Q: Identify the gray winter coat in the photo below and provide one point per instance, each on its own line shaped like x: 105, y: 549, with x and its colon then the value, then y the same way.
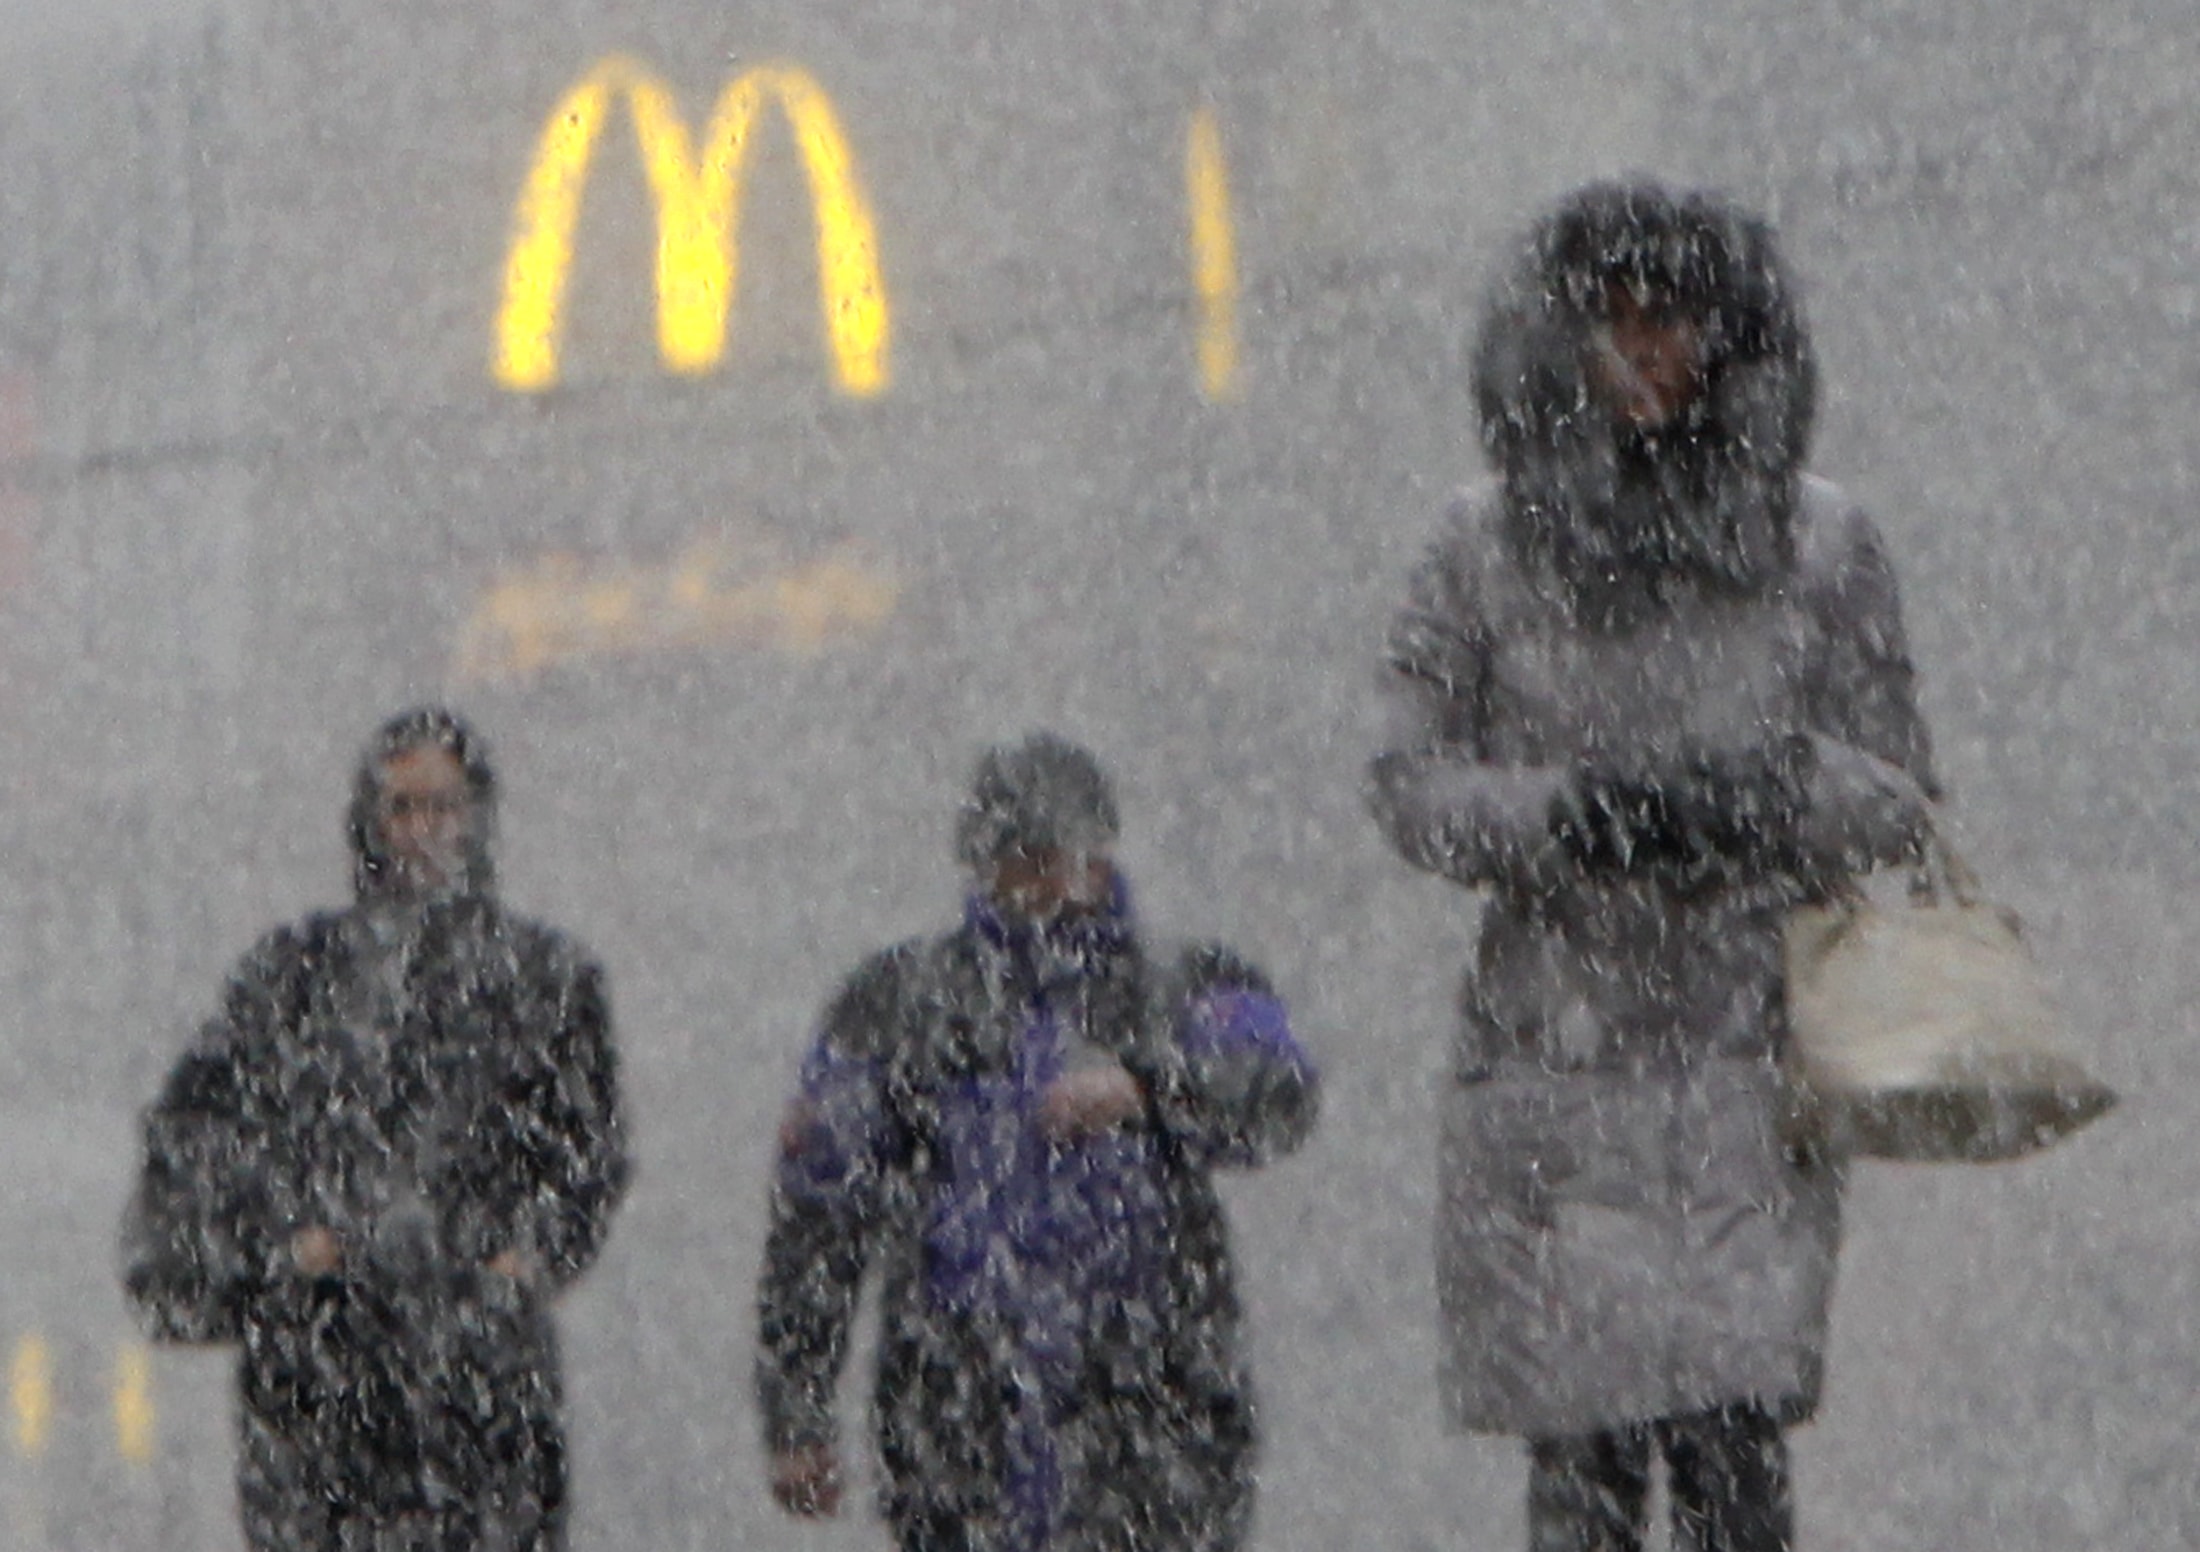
x: 1628, y: 1229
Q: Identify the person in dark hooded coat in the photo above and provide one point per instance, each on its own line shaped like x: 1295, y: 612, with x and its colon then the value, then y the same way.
x: 374, y: 1169
x: 1017, y: 1122
x: 1651, y: 693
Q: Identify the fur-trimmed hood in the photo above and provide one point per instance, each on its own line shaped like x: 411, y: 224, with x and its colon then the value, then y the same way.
x: 1618, y: 512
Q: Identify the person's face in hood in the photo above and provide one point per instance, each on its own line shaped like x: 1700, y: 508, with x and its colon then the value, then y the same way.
x: 424, y: 809
x: 1042, y: 885
x: 1646, y: 359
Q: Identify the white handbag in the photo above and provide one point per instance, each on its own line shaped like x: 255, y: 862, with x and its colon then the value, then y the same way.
x: 1925, y: 1030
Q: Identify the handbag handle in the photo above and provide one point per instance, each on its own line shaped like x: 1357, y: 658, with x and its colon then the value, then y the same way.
x: 1940, y: 875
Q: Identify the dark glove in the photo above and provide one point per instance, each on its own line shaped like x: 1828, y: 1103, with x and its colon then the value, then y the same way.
x: 1701, y: 808
x: 1608, y: 823
x: 1744, y: 804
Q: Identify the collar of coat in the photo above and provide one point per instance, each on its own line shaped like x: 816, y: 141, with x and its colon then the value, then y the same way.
x: 1041, y: 955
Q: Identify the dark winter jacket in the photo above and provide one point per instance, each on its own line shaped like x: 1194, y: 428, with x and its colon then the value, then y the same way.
x: 1059, y: 1365
x: 436, y: 1085
x: 1650, y: 697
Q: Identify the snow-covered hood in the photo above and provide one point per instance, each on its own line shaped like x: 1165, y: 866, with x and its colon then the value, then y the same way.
x: 1613, y: 511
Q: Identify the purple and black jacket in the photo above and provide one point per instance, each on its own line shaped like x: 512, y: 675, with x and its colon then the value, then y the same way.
x: 1059, y: 1350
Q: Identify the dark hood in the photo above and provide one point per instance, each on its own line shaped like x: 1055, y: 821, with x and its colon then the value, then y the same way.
x: 423, y: 726
x: 1615, y: 511
x: 1044, y: 792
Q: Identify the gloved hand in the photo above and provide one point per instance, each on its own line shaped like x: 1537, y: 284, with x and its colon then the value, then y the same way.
x: 1609, y: 823
x: 1744, y: 803
x: 1700, y: 807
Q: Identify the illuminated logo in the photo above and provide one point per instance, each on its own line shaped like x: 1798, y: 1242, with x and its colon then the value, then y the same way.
x: 563, y: 609
x: 1213, y: 256
x: 698, y: 200
x: 33, y: 1389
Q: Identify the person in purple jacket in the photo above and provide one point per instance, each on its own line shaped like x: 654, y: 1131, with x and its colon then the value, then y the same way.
x: 1017, y: 1122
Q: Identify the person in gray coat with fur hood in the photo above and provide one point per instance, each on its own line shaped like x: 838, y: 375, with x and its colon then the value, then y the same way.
x: 1651, y: 693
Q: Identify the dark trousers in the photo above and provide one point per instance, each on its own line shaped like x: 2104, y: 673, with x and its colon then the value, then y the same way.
x: 1726, y: 1475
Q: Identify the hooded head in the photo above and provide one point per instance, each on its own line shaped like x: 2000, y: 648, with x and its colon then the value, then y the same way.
x: 404, y: 780
x: 1039, y: 828
x: 1624, y: 466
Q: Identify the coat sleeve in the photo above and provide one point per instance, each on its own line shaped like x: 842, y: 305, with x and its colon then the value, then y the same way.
x: 1233, y: 1085
x: 1445, y: 805
x: 839, y: 1148
x: 579, y: 1167
x: 1868, y: 798
x: 202, y: 1229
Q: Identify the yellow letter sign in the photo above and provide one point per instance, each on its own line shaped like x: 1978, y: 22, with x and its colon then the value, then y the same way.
x: 698, y: 213
x: 1214, y: 256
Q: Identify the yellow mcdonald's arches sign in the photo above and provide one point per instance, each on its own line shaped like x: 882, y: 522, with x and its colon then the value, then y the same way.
x: 698, y: 200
